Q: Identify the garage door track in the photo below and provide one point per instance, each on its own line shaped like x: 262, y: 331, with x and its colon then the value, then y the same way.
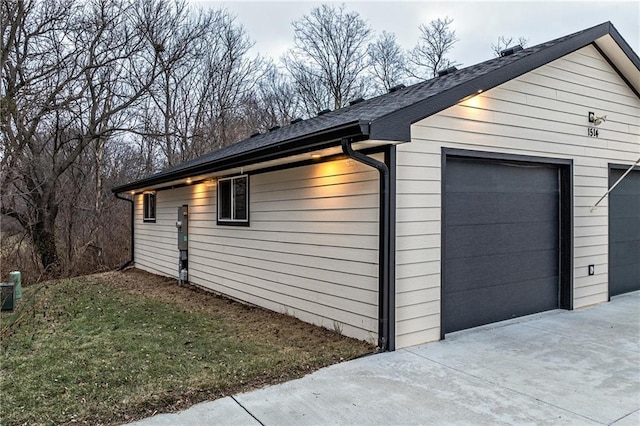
x: 560, y: 367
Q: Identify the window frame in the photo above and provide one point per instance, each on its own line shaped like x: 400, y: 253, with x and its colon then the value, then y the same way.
x: 232, y: 221
x: 146, y: 198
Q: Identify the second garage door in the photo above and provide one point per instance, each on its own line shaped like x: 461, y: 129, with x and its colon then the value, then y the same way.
x: 501, y: 252
x: 624, y: 233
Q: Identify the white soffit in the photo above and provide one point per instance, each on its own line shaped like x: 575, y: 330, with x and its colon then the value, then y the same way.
x: 616, y: 55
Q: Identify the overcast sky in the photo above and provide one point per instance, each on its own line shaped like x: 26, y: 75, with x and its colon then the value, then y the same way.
x: 477, y: 23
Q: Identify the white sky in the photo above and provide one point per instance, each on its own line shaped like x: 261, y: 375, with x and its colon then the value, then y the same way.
x: 477, y: 23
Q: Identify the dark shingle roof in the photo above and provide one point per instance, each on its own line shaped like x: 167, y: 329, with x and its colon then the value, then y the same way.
x: 388, y: 116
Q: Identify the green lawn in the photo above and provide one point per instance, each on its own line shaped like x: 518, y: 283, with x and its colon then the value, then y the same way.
x: 115, y: 347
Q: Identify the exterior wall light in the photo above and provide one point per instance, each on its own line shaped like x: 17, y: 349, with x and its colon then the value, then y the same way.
x: 596, y: 120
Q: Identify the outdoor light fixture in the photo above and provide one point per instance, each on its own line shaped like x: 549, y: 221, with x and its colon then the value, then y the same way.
x: 315, y: 156
x: 188, y: 181
x: 596, y: 120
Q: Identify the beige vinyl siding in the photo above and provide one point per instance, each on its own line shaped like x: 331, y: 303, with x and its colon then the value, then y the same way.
x: 311, y: 249
x: 156, y: 244
x: 542, y: 113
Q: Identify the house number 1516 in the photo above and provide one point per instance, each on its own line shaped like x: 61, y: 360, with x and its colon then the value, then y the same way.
x: 592, y: 132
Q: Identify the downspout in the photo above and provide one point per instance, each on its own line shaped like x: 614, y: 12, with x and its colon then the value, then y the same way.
x: 130, y: 261
x: 386, y: 292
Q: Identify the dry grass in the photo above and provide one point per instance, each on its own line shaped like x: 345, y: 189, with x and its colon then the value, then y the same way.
x: 115, y: 347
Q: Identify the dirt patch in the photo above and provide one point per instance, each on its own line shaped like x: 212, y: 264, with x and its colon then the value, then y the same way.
x: 253, y: 322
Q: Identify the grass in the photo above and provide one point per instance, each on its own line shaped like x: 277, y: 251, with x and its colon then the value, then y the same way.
x: 115, y: 347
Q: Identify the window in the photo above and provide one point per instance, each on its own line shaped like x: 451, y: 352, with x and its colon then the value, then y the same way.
x: 149, y: 206
x: 233, y: 201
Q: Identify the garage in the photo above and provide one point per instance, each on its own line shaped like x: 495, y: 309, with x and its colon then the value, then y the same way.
x: 501, y: 240
x: 433, y: 208
x: 624, y: 232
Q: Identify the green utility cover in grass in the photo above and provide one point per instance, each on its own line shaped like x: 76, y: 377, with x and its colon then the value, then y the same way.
x: 16, y: 278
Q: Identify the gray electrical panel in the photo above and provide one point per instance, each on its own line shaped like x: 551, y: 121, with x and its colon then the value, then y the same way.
x: 182, y: 224
x: 183, y: 228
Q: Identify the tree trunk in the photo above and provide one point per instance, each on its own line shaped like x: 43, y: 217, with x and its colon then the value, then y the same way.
x: 43, y: 231
x: 100, y: 150
x: 44, y: 241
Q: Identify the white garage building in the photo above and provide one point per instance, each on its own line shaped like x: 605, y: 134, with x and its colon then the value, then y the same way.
x: 459, y: 201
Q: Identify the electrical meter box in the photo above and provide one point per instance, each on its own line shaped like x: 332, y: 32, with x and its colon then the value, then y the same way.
x: 183, y: 227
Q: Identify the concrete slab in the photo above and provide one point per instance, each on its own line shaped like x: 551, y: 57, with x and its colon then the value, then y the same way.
x: 550, y: 367
x: 632, y: 419
x: 615, y: 323
x: 399, y: 388
x: 562, y: 367
x: 221, y: 412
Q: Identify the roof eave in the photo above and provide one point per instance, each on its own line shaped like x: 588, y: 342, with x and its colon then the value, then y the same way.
x: 621, y: 56
x: 397, y: 125
x: 626, y: 48
x: 357, y: 130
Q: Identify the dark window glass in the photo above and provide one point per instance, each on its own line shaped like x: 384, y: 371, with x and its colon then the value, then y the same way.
x: 233, y: 199
x: 149, y: 206
x: 152, y: 205
x: 240, y: 198
x: 224, y: 199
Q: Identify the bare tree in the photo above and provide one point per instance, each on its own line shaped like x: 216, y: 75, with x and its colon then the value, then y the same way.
x: 198, y: 105
x: 329, y: 57
x: 430, y: 54
x: 273, y: 103
x: 179, y: 35
x: 507, y: 42
x: 71, y: 75
x: 229, y: 76
x: 387, y: 62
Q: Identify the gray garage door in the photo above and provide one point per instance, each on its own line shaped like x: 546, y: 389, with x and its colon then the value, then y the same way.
x: 624, y: 233
x: 501, y: 241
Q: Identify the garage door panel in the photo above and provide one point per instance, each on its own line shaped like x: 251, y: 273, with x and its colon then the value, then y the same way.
x: 469, y: 309
x: 479, y: 240
x: 501, y: 241
x: 487, y: 271
x: 625, y: 278
x: 625, y: 252
x: 628, y: 187
x: 488, y: 177
x: 624, y: 233
x: 491, y: 207
x: 627, y: 207
x: 629, y: 230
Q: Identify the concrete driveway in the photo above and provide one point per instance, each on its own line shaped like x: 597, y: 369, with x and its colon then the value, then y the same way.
x: 560, y: 367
